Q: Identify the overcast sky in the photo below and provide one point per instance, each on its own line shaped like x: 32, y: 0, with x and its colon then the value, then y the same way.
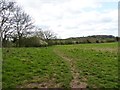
x: 74, y: 18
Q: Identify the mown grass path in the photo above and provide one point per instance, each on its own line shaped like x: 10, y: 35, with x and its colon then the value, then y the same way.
x: 75, y: 83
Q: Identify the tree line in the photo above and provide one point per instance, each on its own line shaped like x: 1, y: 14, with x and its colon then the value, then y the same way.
x: 17, y: 27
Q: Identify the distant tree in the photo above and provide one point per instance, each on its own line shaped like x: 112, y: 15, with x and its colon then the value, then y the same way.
x: 117, y: 38
x: 49, y: 35
x: 39, y: 33
x: 88, y: 41
x: 97, y: 41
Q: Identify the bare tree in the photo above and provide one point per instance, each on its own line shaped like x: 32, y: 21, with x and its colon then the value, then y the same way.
x: 14, y: 22
x: 22, y: 23
x: 6, y: 15
x: 49, y: 35
x: 39, y: 33
x: 44, y: 35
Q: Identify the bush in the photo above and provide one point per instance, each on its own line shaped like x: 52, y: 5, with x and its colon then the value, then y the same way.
x: 33, y: 42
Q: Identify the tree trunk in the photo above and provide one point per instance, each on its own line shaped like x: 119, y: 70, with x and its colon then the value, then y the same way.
x: 20, y: 41
x: 0, y: 38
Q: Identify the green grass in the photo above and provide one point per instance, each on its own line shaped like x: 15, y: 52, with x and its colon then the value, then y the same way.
x: 23, y: 64
x: 97, y: 64
x: 0, y: 68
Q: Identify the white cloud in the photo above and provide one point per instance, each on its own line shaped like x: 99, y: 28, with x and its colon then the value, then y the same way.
x: 68, y: 18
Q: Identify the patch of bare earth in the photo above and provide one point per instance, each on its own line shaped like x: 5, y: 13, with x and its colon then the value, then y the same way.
x: 105, y: 49
x: 48, y: 83
x: 75, y: 83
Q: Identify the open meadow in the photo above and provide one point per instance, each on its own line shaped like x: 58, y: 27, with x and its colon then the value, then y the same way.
x: 79, y: 65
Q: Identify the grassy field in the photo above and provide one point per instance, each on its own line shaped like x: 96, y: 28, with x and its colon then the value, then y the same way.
x: 81, y: 66
x: 0, y: 68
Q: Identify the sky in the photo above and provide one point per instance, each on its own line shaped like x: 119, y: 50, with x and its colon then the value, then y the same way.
x: 74, y: 18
